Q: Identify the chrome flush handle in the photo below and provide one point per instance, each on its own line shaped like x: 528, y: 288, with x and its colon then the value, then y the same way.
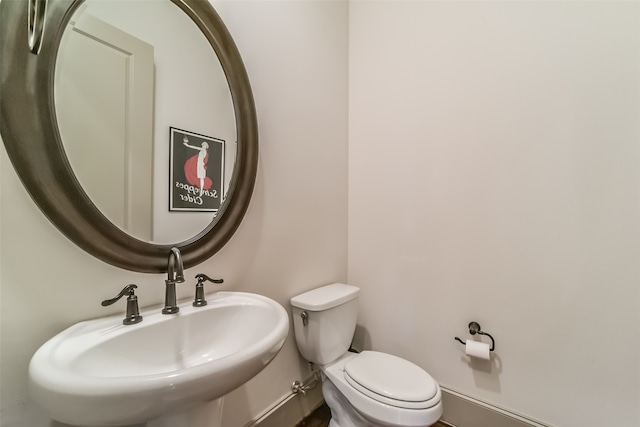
x: 305, y: 318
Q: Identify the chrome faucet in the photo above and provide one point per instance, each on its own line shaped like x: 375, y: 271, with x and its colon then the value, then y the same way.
x: 175, y: 274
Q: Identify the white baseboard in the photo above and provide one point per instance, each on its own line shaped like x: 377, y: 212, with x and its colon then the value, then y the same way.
x: 290, y: 410
x: 464, y: 411
x: 459, y: 411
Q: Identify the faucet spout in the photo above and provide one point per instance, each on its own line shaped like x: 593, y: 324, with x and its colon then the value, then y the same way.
x: 175, y: 274
x: 175, y: 268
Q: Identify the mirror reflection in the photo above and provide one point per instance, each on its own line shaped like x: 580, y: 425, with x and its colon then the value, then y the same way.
x: 146, y: 117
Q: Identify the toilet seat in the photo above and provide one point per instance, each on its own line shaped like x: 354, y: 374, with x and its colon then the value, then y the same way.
x: 374, y: 409
x: 391, y: 380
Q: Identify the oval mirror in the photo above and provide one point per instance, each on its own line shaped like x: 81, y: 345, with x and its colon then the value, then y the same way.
x: 133, y: 128
x: 134, y: 104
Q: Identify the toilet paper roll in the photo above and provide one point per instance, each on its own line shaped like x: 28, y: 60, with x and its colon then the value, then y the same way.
x: 478, y: 349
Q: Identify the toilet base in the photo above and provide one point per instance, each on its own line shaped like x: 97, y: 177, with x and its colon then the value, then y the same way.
x: 342, y: 413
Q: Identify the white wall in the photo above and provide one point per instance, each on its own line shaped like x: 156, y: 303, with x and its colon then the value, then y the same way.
x: 293, y: 237
x: 494, y: 175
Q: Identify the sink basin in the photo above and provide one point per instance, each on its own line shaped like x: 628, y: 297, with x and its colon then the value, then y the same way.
x: 102, y: 373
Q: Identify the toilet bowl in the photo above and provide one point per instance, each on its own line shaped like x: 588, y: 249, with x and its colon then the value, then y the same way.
x: 386, y: 391
x: 361, y: 389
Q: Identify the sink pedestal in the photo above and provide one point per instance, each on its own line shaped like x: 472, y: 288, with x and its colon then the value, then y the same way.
x: 208, y: 414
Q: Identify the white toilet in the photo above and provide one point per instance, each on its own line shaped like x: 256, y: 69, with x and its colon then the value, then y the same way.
x: 361, y: 389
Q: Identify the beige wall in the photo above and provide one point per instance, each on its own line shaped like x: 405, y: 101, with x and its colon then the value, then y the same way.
x: 494, y: 175
x: 293, y: 237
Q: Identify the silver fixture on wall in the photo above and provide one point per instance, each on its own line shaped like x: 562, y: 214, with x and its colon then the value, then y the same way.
x: 302, y: 387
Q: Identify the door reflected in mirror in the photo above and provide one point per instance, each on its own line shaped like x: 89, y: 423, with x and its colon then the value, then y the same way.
x: 126, y: 73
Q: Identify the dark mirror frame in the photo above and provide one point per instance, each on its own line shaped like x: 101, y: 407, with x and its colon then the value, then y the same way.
x: 32, y: 139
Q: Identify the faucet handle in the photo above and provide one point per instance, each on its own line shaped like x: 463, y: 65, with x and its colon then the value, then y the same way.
x: 133, y: 314
x: 200, y: 301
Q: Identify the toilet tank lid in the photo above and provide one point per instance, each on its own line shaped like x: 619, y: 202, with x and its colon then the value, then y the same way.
x: 325, y: 297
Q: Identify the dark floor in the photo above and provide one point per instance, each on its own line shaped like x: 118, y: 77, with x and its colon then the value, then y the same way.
x: 321, y: 416
x: 318, y: 418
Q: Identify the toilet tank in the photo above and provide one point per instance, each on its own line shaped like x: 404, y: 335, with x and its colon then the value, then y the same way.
x: 331, y: 312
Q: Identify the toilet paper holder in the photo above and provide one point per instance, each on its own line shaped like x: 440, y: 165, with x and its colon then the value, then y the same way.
x: 474, y: 328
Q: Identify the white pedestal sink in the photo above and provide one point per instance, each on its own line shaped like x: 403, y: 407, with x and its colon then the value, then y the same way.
x: 102, y: 373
